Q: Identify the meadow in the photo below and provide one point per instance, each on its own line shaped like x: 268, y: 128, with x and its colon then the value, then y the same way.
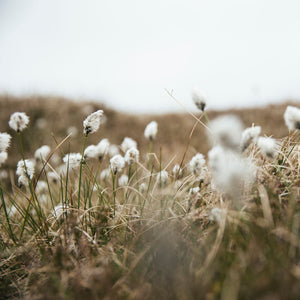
x: 99, y: 204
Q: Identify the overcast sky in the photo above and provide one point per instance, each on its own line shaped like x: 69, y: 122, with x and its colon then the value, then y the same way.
x: 126, y: 52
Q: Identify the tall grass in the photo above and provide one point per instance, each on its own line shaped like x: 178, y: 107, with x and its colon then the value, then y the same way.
x: 87, y: 237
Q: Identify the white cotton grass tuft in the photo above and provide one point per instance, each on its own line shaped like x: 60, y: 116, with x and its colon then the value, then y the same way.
x: 226, y: 131
x: 92, y: 123
x: 72, y: 160
x: 90, y: 152
x: 199, y: 99
x: 42, y: 153
x: 4, y: 141
x: 103, y: 148
x: 117, y: 163
x: 162, y: 177
x: 18, y: 121
x: 292, y: 117
x: 231, y: 172
x: 3, y: 157
x: 151, y: 131
x: 123, y: 180
x: 267, y: 146
x: 216, y: 215
x: 105, y: 174
x: 113, y: 150
x: 128, y: 143
x: 25, y: 170
x: 249, y: 135
x: 197, y: 164
x: 132, y: 156
x: 177, y: 172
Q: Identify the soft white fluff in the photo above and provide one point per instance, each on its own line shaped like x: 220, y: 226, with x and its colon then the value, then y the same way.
x: 128, y: 143
x: 199, y: 99
x: 226, y: 131
x: 92, y: 122
x: 4, y: 141
x: 249, y: 135
x: 18, y: 121
x: 151, y: 131
x: 117, y: 163
x: 292, y: 117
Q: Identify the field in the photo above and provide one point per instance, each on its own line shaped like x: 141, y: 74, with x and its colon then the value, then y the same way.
x: 225, y: 225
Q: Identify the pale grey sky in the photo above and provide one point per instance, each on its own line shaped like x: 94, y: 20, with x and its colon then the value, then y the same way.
x: 126, y: 52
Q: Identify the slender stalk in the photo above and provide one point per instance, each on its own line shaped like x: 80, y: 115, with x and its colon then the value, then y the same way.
x: 80, y: 172
x: 6, y: 215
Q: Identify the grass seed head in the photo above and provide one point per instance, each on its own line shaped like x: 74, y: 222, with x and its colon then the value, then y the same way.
x: 226, y: 131
x: 4, y: 141
x: 128, y: 143
x: 92, y: 123
x: 199, y: 99
x: 18, y: 121
x: 292, y: 117
x: 117, y: 163
x: 132, y: 156
x: 151, y: 131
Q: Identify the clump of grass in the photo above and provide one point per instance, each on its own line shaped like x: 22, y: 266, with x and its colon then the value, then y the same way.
x: 99, y: 227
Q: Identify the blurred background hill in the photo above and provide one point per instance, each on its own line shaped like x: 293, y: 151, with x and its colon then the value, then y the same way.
x: 52, y: 117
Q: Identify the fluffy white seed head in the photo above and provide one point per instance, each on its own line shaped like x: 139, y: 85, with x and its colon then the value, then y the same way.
x: 4, y: 141
x: 123, y: 180
x: 216, y: 214
x: 18, y: 121
x: 73, y: 160
x: 249, y: 135
x: 292, y: 117
x: 42, y: 153
x: 199, y: 99
x: 92, y: 122
x: 104, y: 174
x: 132, y: 156
x: 267, y: 146
x: 151, y: 131
x: 226, y: 131
x: 113, y: 150
x: 127, y: 144
x: 117, y: 163
x: 177, y: 172
x: 103, y: 148
x: 3, y: 157
x: 162, y: 177
x: 25, y: 167
x: 231, y: 172
x: 22, y: 180
x: 196, y: 164
x: 91, y: 152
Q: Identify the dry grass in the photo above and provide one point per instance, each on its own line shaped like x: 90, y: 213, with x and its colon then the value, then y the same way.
x: 162, y: 242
